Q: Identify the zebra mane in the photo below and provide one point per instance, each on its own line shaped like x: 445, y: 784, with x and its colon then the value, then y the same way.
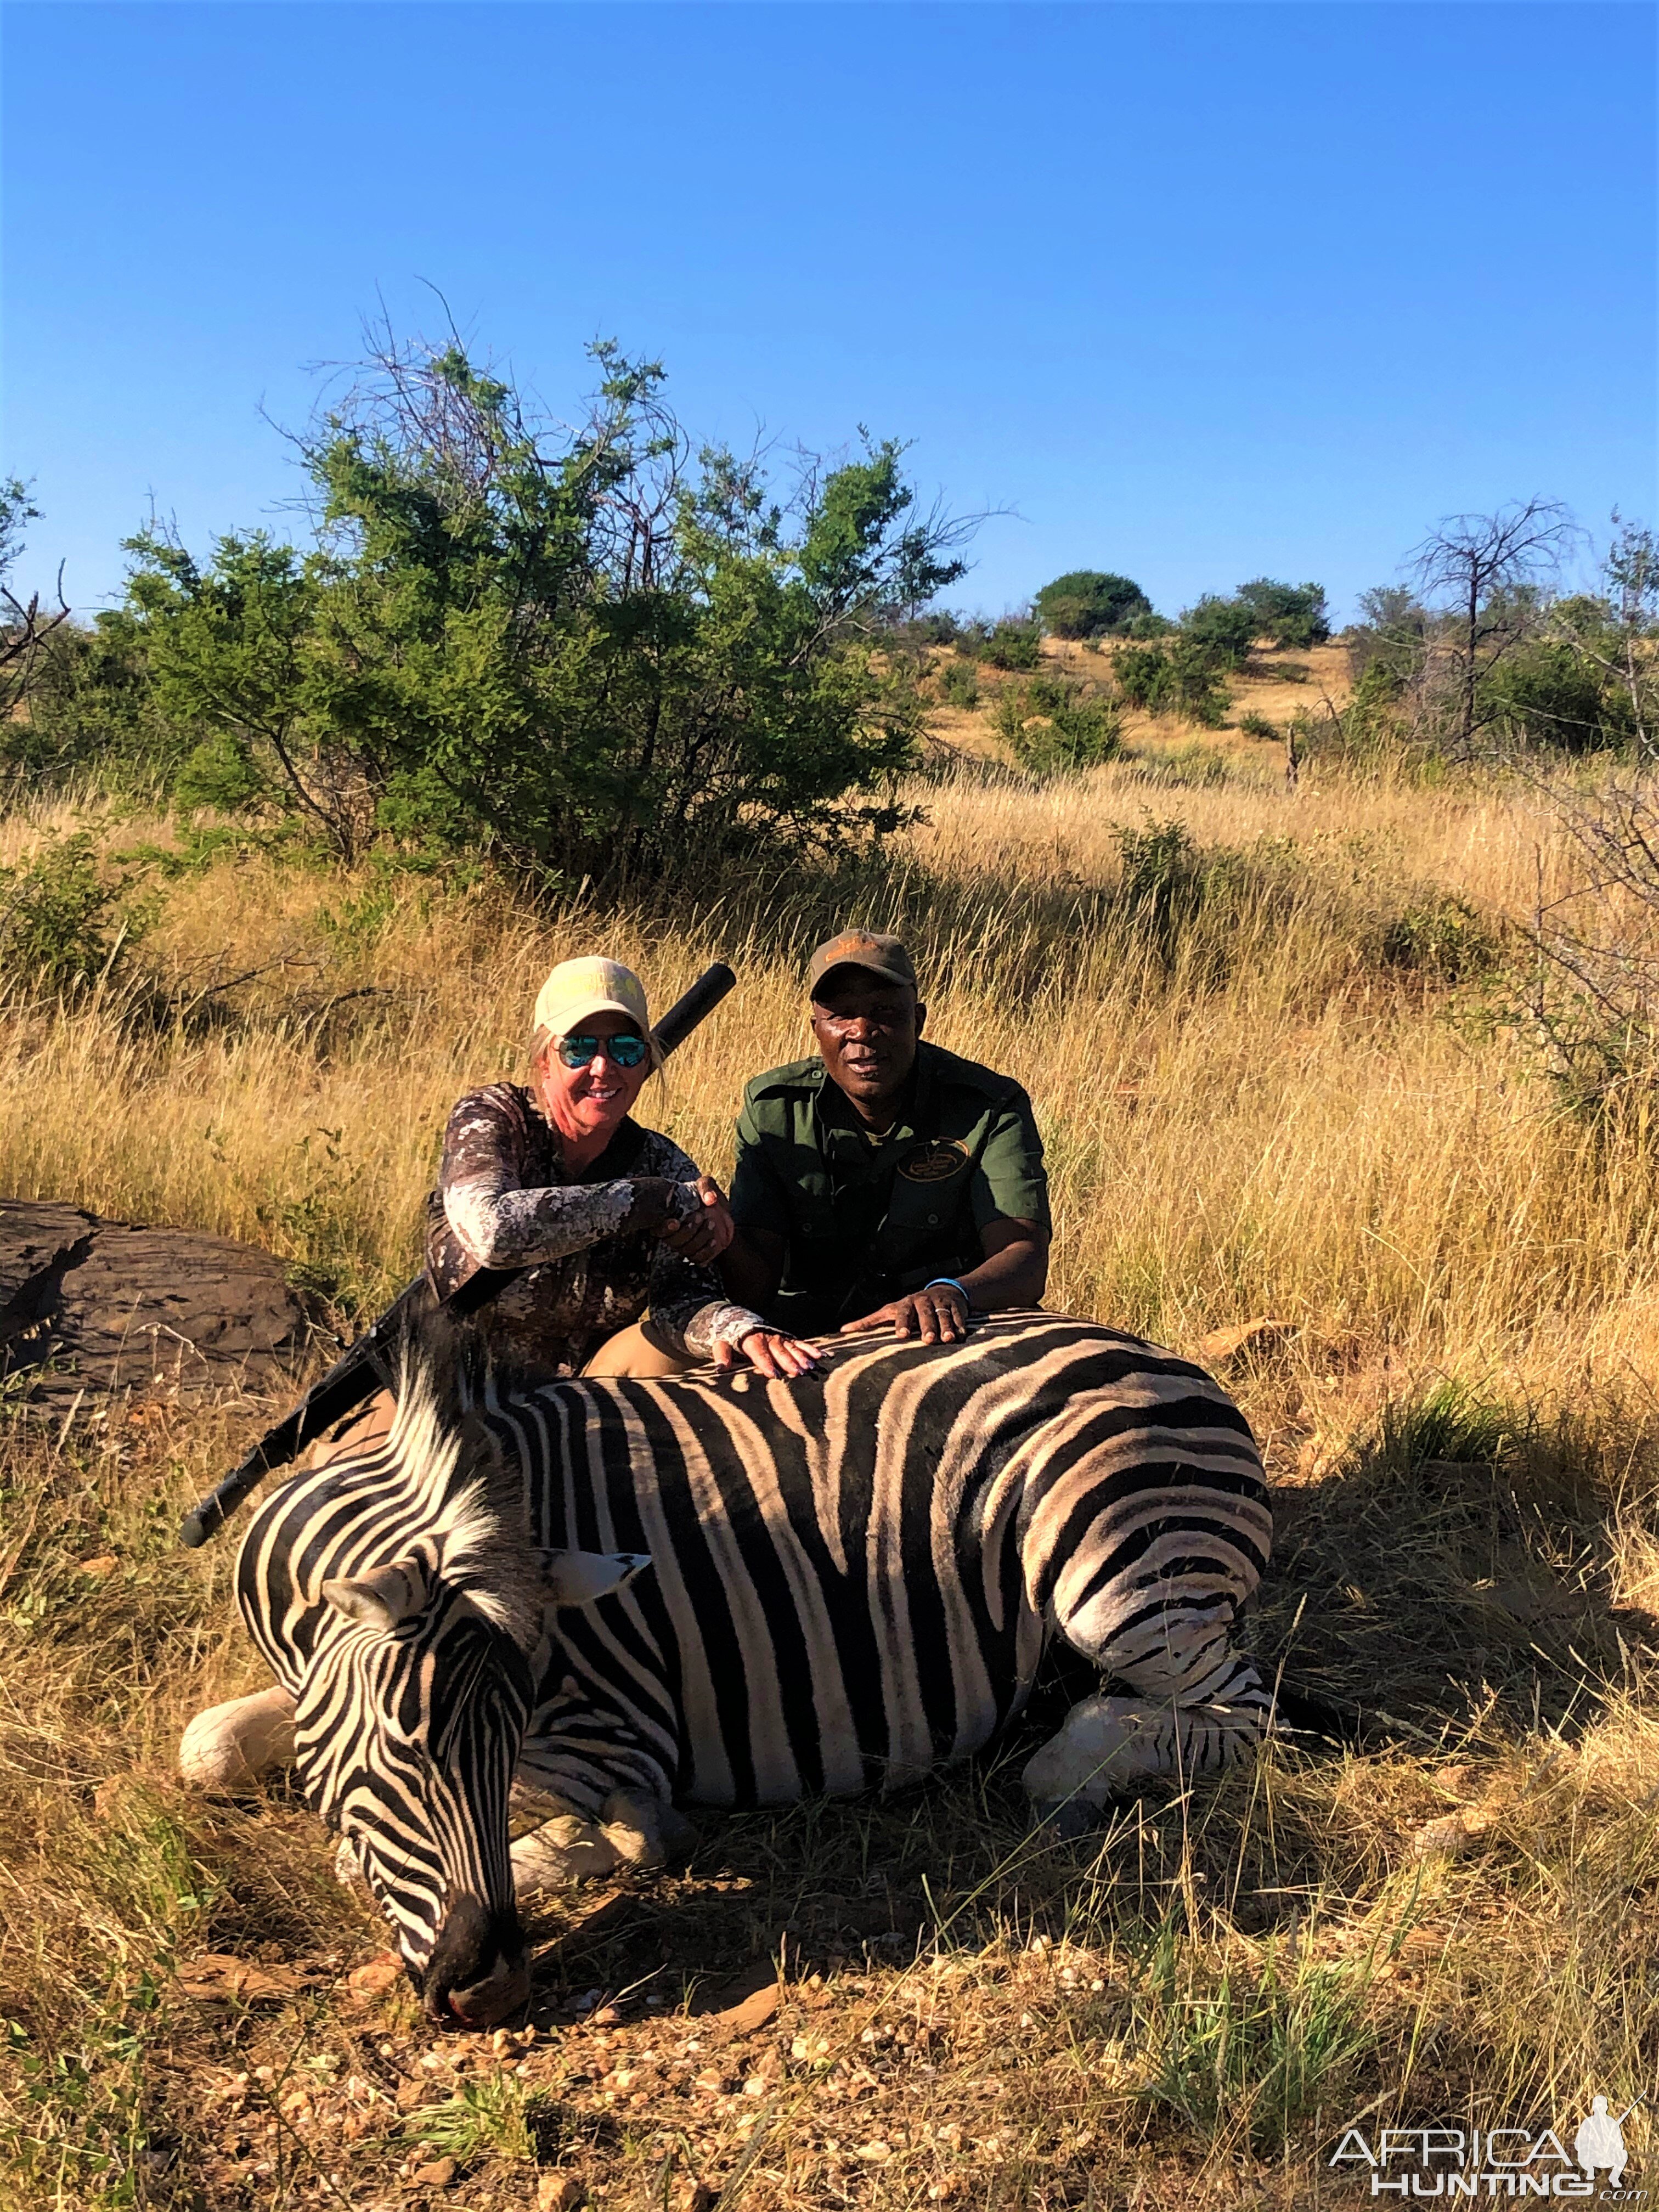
x: 470, y: 1513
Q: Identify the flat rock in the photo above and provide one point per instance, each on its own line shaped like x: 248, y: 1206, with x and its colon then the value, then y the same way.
x: 89, y: 1306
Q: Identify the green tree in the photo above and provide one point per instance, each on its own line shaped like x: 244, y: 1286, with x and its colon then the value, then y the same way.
x: 1090, y: 603
x: 604, y: 655
x: 1220, y: 631
x: 1612, y: 639
x: 1388, y: 647
x: 1292, y: 614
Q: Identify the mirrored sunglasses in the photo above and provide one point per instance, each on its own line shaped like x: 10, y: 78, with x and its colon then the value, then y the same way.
x: 624, y: 1051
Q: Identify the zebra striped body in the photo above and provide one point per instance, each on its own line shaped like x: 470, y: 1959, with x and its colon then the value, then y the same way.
x: 851, y: 1580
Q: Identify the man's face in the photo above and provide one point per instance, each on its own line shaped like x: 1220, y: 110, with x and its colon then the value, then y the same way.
x: 866, y: 1030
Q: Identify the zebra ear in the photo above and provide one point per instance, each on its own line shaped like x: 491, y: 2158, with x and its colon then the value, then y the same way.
x: 579, y: 1578
x: 384, y: 1598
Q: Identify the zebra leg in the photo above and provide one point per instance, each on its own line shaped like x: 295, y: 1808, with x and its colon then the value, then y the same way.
x: 230, y: 1744
x: 566, y: 1845
x: 1198, y: 1705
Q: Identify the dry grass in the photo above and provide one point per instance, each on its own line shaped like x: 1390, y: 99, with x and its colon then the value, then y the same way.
x: 1257, y: 1102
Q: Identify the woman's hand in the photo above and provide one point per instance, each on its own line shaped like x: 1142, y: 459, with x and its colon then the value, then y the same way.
x: 772, y: 1351
x: 706, y: 1235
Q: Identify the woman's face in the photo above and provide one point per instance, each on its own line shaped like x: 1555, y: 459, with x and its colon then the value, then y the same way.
x: 585, y: 1102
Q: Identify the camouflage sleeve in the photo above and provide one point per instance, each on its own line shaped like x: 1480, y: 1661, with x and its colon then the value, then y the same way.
x: 501, y: 1223
x: 689, y: 1309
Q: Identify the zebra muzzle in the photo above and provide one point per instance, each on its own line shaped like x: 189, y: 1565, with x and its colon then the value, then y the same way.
x: 479, y: 1970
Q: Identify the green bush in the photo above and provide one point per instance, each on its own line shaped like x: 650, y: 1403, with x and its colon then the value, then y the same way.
x: 1221, y: 630
x: 1052, y: 725
x: 1388, y: 648
x: 65, y: 920
x: 1014, y: 646
x: 1286, y: 614
x: 1443, y: 936
x: 959, y: 685
x: 1090, y: 602
x: 1252, y: 724
x: 1174, y: 679
x: 91, y: 706
x: 1552, y: 693
x: 936, y: 627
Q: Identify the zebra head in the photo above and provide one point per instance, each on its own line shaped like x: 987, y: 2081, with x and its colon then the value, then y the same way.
x: 411, y: 1708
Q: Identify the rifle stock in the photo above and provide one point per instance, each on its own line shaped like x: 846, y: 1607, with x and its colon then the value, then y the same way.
x: 358, y: 1373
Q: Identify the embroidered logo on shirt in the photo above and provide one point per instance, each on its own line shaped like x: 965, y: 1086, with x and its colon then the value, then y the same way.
x: 936, y: 1162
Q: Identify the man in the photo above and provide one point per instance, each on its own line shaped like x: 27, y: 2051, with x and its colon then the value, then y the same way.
x: 885, y: 1183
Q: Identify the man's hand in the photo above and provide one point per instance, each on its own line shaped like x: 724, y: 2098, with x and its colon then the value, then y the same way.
x: 938, y: 1315
x: 772, y: 1351
x: 702, y: 1239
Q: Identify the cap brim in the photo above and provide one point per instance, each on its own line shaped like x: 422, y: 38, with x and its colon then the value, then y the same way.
x: 865, y: 968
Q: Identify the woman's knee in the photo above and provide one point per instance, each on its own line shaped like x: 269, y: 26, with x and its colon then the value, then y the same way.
x: 635, y: 1352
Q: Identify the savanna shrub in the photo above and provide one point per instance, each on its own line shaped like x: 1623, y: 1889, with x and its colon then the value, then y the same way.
x: 959, y: 685
x: 1090, y: 603
x: 62, y: 921
x: 1221, y: 630
x: 604, y: 654
x: 1552, y: 694
x: 1173, y: 678
x: 1286, y: 614
x: 1014, y: 646
x: 1052, y: 725
x: 1443, y: 936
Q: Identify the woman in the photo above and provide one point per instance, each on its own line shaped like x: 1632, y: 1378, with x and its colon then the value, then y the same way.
x: 611, y: 1226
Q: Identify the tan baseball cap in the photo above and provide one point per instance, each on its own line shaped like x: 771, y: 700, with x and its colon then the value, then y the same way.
x: 861, y: 948
x: 578, y: 989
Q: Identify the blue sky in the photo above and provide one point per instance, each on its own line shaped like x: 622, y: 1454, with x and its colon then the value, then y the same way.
x: 1201, y: 292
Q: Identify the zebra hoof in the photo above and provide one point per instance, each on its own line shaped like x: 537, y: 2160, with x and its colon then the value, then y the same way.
x: 1071, y: 1817
x: 564, y: 1850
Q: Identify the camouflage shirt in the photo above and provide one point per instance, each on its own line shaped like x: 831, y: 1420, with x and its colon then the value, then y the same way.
x: 593, y: 1263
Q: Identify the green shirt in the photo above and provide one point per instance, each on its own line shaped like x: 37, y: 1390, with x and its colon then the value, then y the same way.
x: 864, y: 1219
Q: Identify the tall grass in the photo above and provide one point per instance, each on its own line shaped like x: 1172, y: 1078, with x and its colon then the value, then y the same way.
x: 1266, y: 1096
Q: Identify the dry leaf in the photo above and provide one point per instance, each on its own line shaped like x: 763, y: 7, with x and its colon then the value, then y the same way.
x: 438, y: 2175
x: 1258, y: 1335
x: 751, y: 2012
x: 104, y: 1564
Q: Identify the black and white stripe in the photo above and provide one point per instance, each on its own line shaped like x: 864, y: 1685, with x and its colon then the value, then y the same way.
x: 852, y: 1577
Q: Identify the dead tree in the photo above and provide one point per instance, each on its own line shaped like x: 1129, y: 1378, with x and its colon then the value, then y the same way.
x: 1484, y: 570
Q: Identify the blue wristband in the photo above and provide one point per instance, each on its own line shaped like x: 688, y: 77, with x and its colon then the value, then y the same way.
x: 950, y: 1283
